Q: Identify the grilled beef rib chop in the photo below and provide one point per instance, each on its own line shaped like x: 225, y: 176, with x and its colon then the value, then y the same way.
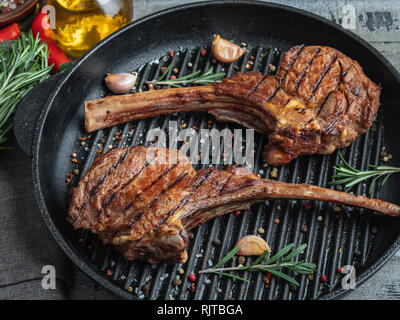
x: 144, y: 200
x: 320, y: 100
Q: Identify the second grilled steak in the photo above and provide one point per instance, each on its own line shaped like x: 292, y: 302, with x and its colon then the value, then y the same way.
x: 320, y: 100
x: 144, y: 200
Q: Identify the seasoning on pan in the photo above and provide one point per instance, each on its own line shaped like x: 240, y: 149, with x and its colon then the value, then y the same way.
x: 177, y: 282
x: 249, y: 65
x: 241, y: 260
x: 274, y: 173
x: 304, y: 228
x: 267, y: 279
x: 337, y: 209
x: 216, y: 242
x: 192, y: 277
x: 109, y: 272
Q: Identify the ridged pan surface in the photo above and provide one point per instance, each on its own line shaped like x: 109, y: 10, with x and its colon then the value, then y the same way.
x: 348, y: 237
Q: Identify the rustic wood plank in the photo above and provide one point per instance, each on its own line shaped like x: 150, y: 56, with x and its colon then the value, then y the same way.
x: 374, y: 20
x: 384, y: 285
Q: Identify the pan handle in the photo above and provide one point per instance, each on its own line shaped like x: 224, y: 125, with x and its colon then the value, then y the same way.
x: 29, y: 110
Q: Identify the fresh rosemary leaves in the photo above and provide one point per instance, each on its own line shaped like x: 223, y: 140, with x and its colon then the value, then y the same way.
x: 22, y: 66
x: 350, y: 176
x: 271, y: 265
x: 207, y: 77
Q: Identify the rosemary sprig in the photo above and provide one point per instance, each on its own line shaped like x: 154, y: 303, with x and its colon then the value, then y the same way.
x: 22, y: 66
x: 271, y: 265
x: 350, y: 176
x: 207, y: 77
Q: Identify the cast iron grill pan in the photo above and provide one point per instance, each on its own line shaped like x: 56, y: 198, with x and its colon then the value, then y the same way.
x: 338, y: 239
x: 344, y: 232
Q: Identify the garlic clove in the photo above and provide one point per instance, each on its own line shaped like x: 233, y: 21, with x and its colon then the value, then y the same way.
x: 120, y: 82
x: 252, y: 246
x: 226, y: 51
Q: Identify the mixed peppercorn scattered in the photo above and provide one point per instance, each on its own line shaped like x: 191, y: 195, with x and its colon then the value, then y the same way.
x: 216, y: 242
x: 8, y: 5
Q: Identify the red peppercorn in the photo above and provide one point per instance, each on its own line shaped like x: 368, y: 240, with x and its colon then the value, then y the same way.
x: 192, y: 288
x: 192, y: 277
x: 340, y: 270
x: 173, y: 77
x: 203, y: 52
x: 171, y: 54
x: 237, y: 213
x: 324, y: 278
x: 109, y: 272
x: 307, y: 206
x: 267, y: 278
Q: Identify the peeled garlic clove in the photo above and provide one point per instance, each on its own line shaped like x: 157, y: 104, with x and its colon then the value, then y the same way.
x: 226, y: 51
x: 252, y: 246
x: 120, y: 82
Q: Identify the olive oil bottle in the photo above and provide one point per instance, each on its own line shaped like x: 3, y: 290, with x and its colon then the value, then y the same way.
x: 81, y: 24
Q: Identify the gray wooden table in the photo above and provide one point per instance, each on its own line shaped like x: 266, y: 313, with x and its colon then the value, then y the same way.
x: 378, y: 22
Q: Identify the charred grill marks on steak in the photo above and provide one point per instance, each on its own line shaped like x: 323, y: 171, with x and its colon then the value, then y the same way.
x: 222, y: 187
x: 318, y: 101
x: 179, y: 205
x: 139, y: 215
x: 103, y: 178
x: 316, y: 85
x: 254, y: 89
x: 298, y: 52
x: 303, y: 73
x: 166, y: 200
x: 130, y: 180
x: 195, y: 186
